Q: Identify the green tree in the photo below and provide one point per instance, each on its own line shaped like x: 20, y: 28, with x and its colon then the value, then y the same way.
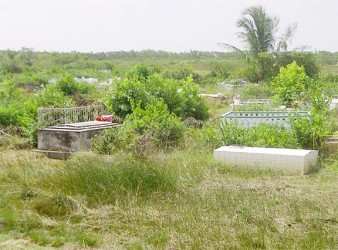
x: 291, y: 84
x: 259, y: 34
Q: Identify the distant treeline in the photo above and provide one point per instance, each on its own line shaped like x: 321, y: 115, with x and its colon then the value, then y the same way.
x: 323, y: 57
x: 159, y: 54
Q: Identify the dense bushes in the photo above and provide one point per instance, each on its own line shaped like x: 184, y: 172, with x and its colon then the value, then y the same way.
x: 10, y: 105
x: 180, y: 96
x: 291, y: 86
x: 21, y: 111
x: 306, y: 60
x: 144, y: 129
x: 154, y: 108
x: 68, y: 86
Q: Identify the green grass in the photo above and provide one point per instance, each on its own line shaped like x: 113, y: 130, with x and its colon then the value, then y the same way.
x: 183, y: 199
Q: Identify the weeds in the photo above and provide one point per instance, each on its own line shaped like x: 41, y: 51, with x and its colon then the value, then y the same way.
x: 179, y: 199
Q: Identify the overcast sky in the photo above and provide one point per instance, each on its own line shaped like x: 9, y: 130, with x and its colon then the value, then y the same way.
x: 171, y: 25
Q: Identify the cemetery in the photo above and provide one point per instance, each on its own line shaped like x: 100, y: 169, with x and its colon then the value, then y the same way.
x: 165, y: 150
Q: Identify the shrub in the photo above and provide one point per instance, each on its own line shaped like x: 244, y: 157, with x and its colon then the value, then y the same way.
x: 291, y: 84
x: 142, y: 72
x: 127, y: 91
x: 153, y: 126
x: 313, y: 131
x: 9, y: 114
x: 180, y: 96
x: 51, y: 96
x: 306, y: 60
x: 11, y: 107
x: 68, y: 86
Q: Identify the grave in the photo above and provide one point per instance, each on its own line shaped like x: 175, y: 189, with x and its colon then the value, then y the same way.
x: 253, y: 118
x: 66, y: 130
x: 287, y: 161
x: 61, y: 140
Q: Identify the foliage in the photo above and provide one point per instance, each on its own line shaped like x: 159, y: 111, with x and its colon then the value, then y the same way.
x: 312, y: 132
x: 259, y: 33
x: 255, y: 91
x: 262, y: 135
x: 10, y: 105
x: 144, y: 129
x: 180, y: 96
x: 10, y: 93
x: 20, y: 111
x: 9, y: 114
x: 291, y: 84
x: 183, y: 73
x: 16, y: 61
x: 125, y: 92
x: 304, y: 59
x: 68, y: 86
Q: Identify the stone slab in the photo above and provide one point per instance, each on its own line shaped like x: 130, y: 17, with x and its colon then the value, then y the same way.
x: 287, y: 161
x: 70, y: 137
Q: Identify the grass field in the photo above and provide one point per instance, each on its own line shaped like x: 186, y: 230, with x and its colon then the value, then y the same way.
x: 178, y: 200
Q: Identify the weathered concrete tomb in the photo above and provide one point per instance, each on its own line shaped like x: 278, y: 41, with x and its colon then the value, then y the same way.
x: 60, y: 140
x: 287, y: 161
x: 66, y: 130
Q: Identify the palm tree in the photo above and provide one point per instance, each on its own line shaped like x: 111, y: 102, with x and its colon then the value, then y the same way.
x: 259, y: 33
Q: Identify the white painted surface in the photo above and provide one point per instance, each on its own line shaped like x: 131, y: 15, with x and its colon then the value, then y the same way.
x: 288, y: 161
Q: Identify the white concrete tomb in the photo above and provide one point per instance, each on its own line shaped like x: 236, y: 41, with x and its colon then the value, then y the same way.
x: 288, y: 161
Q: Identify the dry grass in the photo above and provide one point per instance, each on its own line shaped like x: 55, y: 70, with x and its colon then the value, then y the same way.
x: 212, y: 206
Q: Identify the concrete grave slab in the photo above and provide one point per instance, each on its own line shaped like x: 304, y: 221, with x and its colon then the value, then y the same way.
x: 287, y: 161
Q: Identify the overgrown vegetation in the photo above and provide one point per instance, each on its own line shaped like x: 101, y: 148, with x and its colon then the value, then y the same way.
x: 163, y: 201
x: 180, y: 96
x: 152, y: 183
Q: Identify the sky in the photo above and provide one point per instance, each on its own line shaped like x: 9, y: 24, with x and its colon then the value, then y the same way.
x: 170, y: 25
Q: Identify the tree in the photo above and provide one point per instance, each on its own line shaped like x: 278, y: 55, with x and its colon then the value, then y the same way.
x: 291, y: 84
x: 259, y: 34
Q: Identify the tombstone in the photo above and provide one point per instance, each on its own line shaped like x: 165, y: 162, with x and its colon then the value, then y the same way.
x: 287, y: 161
x: 61, y: 140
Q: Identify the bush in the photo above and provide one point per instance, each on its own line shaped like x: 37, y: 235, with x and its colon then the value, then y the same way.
x: 68, y: 86
x: 51, y: 96
x: 312, y: 132
x: 306, y: 60
x: 9, y: 114
x: 11, y: 107
x: 180, y: 96
x: 291, y: 84
x: 127, y: 91
x: 142, y: 72
x: 145, y: 128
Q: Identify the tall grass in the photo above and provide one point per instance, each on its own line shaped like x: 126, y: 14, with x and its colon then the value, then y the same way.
x: 177, y: 200
x: 104, y: 180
